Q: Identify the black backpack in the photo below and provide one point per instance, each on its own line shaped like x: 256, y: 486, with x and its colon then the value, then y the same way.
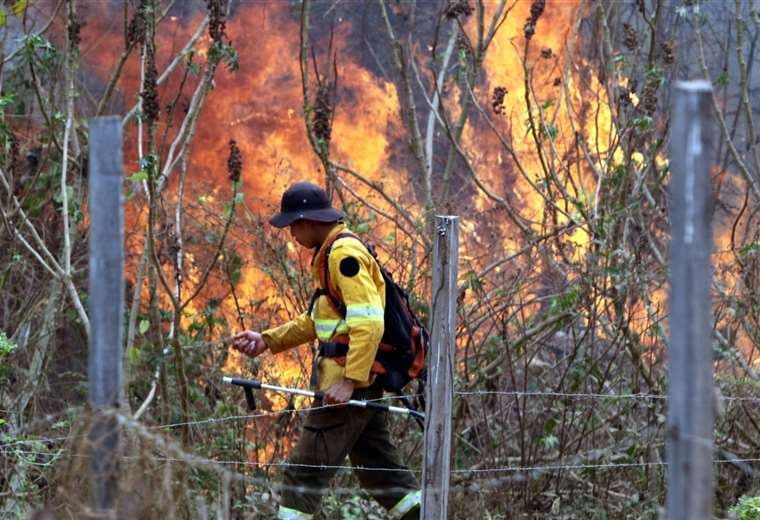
x: 403, y: 348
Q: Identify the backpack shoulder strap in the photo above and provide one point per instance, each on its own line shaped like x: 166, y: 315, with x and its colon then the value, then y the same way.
x: 325, y: 287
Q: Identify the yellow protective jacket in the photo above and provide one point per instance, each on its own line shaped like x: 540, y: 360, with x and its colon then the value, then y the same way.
x: 356, y: 276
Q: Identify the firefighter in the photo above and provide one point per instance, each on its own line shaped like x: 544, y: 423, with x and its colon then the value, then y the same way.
x: 331, y: 433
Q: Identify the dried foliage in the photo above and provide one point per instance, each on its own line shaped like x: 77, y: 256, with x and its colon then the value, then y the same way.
x: 553, y: 154
x: 234, y: 162
x: 151, y: 106
x: 497, y: 100
x: 536, y: 10
x: 217, y: 23
x: 458, y: 8
x: 136, y: 29
x: 322, y: 113
x: 631, y: 39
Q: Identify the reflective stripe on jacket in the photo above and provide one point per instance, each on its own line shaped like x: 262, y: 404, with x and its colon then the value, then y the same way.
x: 362, y: 291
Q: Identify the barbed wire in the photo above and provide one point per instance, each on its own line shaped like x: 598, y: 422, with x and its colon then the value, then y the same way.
x: 575, y: 395
x: 285, y: 464
x: 212, y: 420
x: 276, y: 413
x: 610, y: 465
x: 264, y: 481
x: 177, y: 454
x: 578, y: 395
x: 49, y: 417
x: 181, y: 455
x: 190, y: 458
x: 38, y: 440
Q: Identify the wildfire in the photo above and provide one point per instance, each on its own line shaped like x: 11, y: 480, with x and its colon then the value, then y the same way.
x: 542, y: 98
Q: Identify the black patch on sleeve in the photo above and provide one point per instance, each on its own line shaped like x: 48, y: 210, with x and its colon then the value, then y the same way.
x: 349, y: 266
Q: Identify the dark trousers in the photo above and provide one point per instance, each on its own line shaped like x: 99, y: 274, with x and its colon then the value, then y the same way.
x: 328, y: 435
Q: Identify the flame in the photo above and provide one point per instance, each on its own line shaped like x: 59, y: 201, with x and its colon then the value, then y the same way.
x: 550, y: 101
x: 261, y: 107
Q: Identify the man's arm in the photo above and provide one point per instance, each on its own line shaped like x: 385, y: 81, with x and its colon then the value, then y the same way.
x: 288, y: 335
x: 354, y: 272
x: 291, y: 334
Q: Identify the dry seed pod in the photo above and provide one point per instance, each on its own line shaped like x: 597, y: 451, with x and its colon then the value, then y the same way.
x: 234, y: 162
x: 497, y: 100
x: 322, y: 113
x: 536, y: 10
x: 630, y: 38
x: 459, y: 8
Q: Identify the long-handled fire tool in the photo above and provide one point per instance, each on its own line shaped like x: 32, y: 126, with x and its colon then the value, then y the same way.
x: 250, y: 384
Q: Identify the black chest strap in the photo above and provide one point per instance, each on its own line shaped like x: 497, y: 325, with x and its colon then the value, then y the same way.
x: 332, y: 350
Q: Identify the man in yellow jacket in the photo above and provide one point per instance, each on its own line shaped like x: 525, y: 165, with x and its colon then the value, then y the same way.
x: 331, y: 433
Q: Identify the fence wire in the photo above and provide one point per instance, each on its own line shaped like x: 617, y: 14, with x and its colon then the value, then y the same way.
x: 474, y: 393
x: 191, y: 458
x: 465, y: 479
x: 563, y: 395
x: 194, y: 459
x: 468, y: 477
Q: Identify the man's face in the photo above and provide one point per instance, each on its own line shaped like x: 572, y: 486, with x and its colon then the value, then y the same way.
x: 303, y: 233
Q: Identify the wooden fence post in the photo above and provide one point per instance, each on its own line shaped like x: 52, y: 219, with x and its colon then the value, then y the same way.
x: 439, y: 394
x: 691, y: 394
x: 106, y: 305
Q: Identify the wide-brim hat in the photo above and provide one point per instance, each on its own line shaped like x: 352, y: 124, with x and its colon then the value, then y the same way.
x: 305, y: 201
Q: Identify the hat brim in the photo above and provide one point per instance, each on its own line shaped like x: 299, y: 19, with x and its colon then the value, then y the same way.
x: 283, y: 219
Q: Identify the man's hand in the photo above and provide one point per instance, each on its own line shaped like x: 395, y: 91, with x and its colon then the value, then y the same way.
x: 340, y: 392
x: 249, y: 343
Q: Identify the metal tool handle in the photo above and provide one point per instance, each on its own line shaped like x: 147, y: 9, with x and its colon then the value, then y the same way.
x: 245, y: 383
x: 250, y: 384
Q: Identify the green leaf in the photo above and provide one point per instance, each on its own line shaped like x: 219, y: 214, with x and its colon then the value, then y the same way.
x: 655, y: 76
x: 643, y: 123
x: 140, y: 176
x: 475, y: 283
x: 566, y: 300
x: 226, y: 53
x: 362, y: 227
x: 748, y: 508
x: 6, y: 345
x: 3, y: 18
x: 194, y: 68
x: 722, y: 79
x: 60, y: 424
x: 58, y: 196
x: 19, y: 7
x: 750, y: 249
x: 550, y: 441
x: 133, y: 355
x: 144, y: 325
x: 549, y: 130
